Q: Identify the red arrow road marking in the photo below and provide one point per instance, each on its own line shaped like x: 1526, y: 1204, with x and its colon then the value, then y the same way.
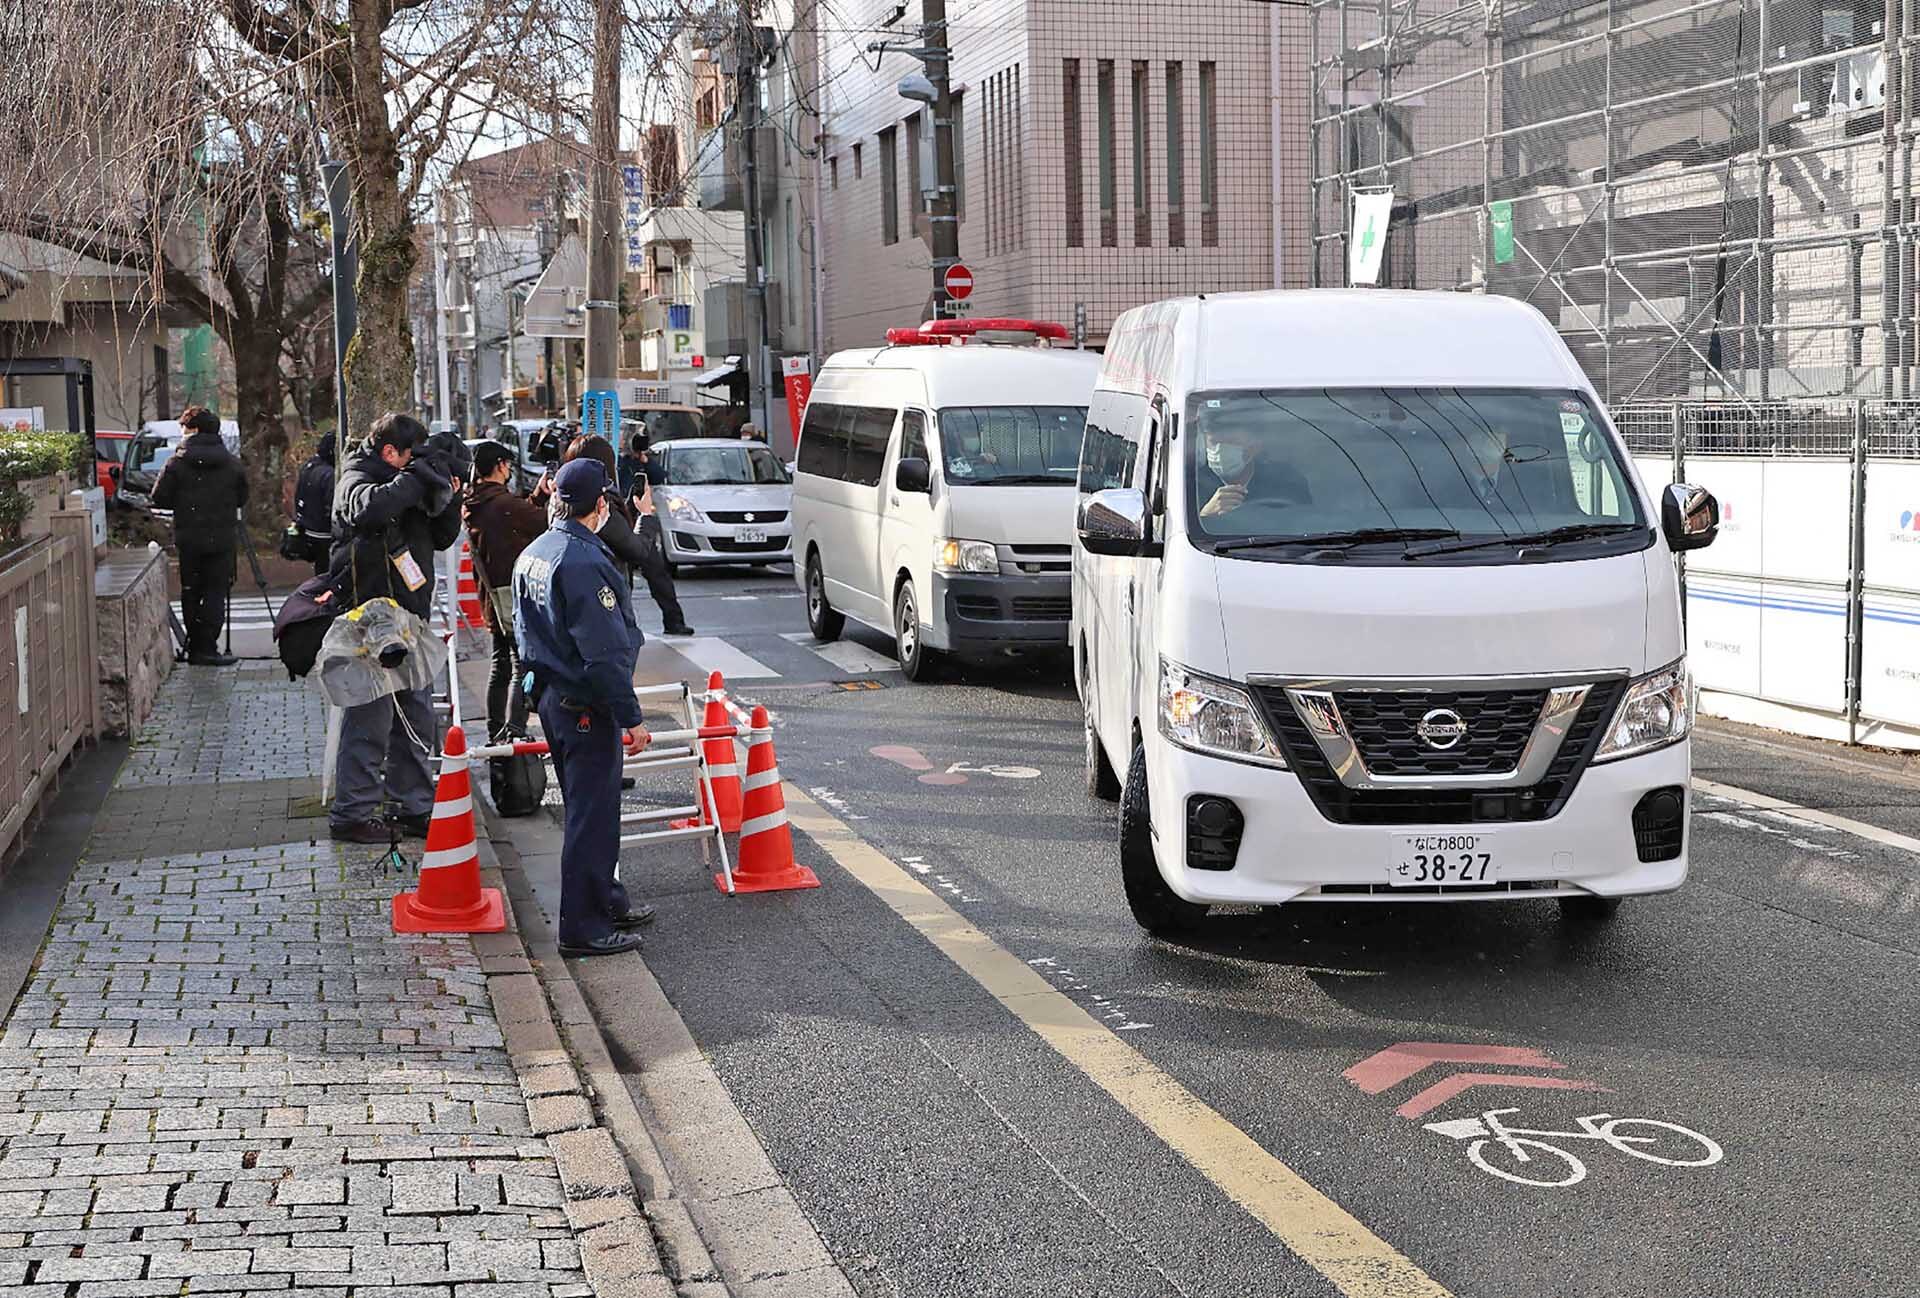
x: 1440, y: 1092
x: 1397, y: 1063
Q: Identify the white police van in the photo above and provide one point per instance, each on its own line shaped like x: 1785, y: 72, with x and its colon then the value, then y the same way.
x: 1369, y: 605
x: 933, y: 490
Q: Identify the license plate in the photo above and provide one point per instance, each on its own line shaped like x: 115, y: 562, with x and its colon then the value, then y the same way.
x: 750, y: 535
x: 1423, y: 860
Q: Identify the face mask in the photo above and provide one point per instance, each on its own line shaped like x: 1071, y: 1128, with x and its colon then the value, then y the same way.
x: 1226, y: 460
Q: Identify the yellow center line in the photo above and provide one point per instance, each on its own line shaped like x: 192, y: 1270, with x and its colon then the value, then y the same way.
x: 1323, y: 1234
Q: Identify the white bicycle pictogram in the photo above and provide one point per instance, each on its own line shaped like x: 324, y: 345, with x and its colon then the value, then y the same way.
x: 1522, y: 1146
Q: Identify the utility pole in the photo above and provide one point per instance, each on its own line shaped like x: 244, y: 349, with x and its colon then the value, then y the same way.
x: 943, y: 219
x: 603, y: 213
x: 747, y: 102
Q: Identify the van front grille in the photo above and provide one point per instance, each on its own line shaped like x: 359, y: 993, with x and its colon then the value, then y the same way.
x: 1384, y: 724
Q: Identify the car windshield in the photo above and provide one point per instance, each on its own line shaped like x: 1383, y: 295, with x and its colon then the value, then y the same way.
x: 1011, y: 444
x: 709, y: 466
x: 149, y: 454
x: 1422, y: 469
x: 666, y: 425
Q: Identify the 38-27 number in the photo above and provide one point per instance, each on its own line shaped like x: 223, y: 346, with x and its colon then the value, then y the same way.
x: 1439, y: 867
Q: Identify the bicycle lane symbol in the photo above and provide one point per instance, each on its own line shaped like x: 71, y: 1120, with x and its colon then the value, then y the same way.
x: 1522, y: 1155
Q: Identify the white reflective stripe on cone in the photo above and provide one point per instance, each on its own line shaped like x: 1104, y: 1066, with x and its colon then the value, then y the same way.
x: 447, y: 856
x: 761, y: 824
x: 723, y: 768
x: 459, y: 806
x: 760, y: 780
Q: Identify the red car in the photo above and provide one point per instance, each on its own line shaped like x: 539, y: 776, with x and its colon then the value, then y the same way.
x: 110, y: 458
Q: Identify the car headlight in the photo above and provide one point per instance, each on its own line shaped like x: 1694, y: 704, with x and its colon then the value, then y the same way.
x: 950, y: 555
x: 1212, y: 716
x: 1657, y: 711
x: 685, y: 510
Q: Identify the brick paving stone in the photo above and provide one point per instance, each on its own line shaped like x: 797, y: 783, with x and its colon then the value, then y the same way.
x: 227, y: 1075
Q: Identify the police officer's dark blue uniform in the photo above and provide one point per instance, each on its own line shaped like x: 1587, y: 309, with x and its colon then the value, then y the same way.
x: 578, y: 640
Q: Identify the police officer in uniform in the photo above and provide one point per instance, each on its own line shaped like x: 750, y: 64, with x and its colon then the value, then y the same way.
x: 578, y: 641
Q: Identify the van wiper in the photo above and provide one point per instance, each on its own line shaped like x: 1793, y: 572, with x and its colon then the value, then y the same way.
x: 1360, y: 536
x: 1022, y: 480
x: 1552, y: 536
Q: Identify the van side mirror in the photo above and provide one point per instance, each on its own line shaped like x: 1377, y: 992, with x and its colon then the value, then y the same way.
x: 913, y: 475
x: 1114, y: 522
x: 1689, y: 516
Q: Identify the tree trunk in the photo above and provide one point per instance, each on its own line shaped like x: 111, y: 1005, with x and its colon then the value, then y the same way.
x: 260, y: 408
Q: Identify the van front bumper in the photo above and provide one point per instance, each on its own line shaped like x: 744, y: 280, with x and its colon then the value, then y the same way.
x: 1289, y: 851
x: 980, y: 615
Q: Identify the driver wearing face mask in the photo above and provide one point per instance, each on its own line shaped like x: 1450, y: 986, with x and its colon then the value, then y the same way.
x: 1236, y: 458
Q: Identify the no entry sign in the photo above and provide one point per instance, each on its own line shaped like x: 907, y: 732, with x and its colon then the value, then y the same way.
x: 959, y: 282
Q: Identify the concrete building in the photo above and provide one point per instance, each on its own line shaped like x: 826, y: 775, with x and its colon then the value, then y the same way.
x: 1109, y: 153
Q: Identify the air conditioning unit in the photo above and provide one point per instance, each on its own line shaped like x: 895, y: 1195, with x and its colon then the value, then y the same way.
x: 1859, y: 83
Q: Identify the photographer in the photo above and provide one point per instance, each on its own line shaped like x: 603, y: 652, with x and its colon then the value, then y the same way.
x: 501, y: 525
x: 313, y: 507
x: 399, y: 502
x: 205, y: 487
x: 625, y: 533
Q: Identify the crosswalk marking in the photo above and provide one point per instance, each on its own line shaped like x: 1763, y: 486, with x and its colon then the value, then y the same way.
x: 849, y: 656
x: 241, y: 617
x: 712, y: 654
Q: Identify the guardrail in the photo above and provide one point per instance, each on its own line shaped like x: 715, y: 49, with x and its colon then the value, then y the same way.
x: 49, y: 694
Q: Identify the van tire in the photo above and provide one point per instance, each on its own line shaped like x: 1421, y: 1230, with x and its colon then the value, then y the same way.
x: 822, y: 619
x: 1156, y: 907
x: 917, y: 662
x: 1102, y: 783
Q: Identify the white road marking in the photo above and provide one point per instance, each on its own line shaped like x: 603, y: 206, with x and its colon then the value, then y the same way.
x: 1764, y: 802
x: 712, y: 654
x: 848, y: 655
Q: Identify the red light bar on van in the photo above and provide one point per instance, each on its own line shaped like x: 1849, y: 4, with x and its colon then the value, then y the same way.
x: 934, y: 333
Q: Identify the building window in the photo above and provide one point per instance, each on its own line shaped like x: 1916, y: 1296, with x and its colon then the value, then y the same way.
x: 959, y: 157
x: 1070, y: 133
x: 789, y: 290
x: 833, y: 173
x: 1176, y: 160
x: 856, y: 162
x: 916, y: 190
x: 1018, y: 151
x: 1142, y: 221
x: 1103, y: 129
x: 989, y: 158
x: 1209, y: 161
x: 890, y: 185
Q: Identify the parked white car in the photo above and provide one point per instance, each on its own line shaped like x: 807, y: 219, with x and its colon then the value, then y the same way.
x: 721, y: 500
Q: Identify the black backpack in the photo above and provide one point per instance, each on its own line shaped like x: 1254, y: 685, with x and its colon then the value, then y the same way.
x: 301, y: 625
x: 518, y: 783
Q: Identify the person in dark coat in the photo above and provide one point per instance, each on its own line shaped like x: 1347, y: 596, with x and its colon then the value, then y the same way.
x: 313, y: 504
x: 399, y: 503
x: 501, y: 525
x: 626, y: 534
x: 205, y: 487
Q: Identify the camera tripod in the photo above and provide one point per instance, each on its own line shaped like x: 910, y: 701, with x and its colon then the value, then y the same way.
x: 179, y: 631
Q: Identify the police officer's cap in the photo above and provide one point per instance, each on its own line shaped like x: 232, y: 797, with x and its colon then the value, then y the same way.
x: 580, y: 482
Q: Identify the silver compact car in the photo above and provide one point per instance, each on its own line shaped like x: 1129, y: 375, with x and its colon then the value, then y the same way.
x: 722, y: 500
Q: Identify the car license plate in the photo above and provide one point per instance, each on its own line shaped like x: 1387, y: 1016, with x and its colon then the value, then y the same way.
x: 1423, y: 860
x: 750, y: 535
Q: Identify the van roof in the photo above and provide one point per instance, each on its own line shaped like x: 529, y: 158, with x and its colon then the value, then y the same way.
x: 1341, y: 338
x: 982, y: 373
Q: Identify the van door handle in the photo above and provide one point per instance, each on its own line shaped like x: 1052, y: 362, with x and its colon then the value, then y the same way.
x: 1129, y: 598
x: 894, y: 501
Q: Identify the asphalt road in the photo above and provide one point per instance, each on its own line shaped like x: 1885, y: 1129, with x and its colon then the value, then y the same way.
x: 944, y: 1144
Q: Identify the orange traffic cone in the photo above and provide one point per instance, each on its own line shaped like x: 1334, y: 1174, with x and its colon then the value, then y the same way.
x: 723, y: 766
x: 468, y: 585
x: 766, y: 844
x: 450, y: 898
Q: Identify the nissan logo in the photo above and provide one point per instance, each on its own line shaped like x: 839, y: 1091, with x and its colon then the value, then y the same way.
x: 1441, y: 729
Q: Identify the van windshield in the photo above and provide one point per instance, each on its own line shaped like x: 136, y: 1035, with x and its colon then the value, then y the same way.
x: 666, y: 425
x: 1011, y: 445
x: 1413, y: 471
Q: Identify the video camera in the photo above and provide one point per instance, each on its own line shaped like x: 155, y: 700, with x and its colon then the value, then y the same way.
x: 549, y: 445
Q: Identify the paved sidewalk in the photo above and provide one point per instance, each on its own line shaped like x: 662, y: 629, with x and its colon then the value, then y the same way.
x: 226, y: 1074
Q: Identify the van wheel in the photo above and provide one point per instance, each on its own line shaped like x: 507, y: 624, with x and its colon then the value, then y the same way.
x: 917, y: 662
x: 1588, y: 909
x: 822, y: 620
x: 1102, y: 783
x: 1156, y: 907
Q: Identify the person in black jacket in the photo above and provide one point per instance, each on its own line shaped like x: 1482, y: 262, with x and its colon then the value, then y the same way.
x: 205, y: 487
x: 626, y: 534
x: 313, y: 504
x: 399, y: 503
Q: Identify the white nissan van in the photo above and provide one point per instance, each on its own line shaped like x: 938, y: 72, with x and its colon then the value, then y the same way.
x: 933, y: 494
x: 1368, y: 604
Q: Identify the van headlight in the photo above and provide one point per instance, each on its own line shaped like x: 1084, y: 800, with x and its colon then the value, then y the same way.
x: 951, y: 555
x: 1212, y: 716
x: 1657, y: 711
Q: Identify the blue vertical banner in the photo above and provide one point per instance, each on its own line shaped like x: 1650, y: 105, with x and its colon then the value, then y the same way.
x: 600, y: 414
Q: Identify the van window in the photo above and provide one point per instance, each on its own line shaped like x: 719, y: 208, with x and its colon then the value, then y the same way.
x: 1011, y: 445
x: 823, y: 441
x: 867, y: 435
x: 1106, y: 455
x: 1445, y: 461
x: 913, y: 436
